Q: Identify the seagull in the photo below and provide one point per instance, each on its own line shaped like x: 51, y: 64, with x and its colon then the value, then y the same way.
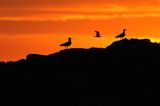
x: 97, y: 34
x: 122, y: 34
x: 66, y: 44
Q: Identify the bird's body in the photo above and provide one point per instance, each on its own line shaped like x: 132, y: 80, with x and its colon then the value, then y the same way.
x: 66, y: 44
x: 122, y: 34
x: 97, y: 34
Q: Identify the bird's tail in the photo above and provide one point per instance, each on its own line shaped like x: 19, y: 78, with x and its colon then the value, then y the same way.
x: 61, y: 45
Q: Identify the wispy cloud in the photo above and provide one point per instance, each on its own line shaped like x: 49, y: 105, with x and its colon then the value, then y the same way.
x: 63, y: 10
x: 77, y: 13
x: 79, y: 17
x: 28, y: 15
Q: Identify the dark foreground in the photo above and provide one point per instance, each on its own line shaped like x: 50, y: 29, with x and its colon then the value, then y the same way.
x: 123, y: 74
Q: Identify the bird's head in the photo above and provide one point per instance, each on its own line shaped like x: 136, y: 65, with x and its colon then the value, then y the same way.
x: 124, y: 29
x: 69, y: 38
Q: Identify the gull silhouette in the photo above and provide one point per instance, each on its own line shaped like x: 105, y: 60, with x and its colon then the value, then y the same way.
x: 122, y: 34
x: 66, y: 44
x: 97, y: 34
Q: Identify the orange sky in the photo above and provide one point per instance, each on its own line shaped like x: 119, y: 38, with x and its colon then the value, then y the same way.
x: 39, y: 26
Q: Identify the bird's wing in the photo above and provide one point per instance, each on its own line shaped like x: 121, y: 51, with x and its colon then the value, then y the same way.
x: 63, y: 44
x: 119, y: 35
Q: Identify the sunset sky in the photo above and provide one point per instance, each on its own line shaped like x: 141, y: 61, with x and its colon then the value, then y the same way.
x: 39, y: 26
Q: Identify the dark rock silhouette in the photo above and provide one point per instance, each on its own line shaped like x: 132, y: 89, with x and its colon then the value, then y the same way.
x: 122, y: 74
x: 2, y: 66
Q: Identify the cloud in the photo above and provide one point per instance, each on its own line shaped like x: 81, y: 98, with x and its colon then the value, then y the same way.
x: 42, y: 8
x: 55, y: 3
x: 77, y: 13
x: 30, y: 16
x: 67, y: 17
